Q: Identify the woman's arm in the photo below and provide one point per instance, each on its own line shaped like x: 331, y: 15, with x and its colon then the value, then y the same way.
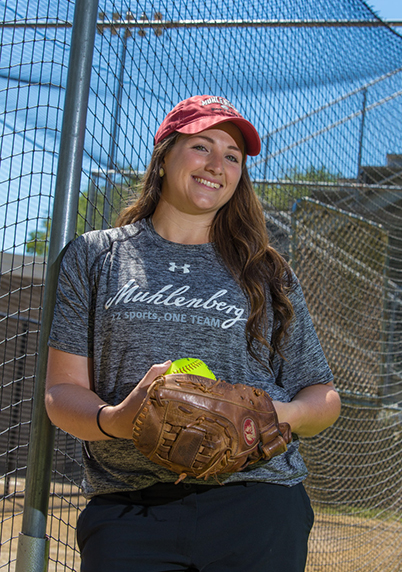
x: 73, y: 406
x: 312, y: 410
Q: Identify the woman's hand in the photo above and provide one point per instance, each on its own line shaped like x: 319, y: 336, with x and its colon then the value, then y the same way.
x: 118, y: 420
x: 72, y: 405
x: 312, y: 410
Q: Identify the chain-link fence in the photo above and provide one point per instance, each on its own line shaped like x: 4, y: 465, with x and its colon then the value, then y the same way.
x: 322, y: 82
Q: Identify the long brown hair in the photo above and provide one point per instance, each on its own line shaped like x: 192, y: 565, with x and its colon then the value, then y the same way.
x: 258, y: 268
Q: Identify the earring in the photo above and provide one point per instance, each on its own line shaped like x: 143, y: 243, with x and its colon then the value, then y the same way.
x: 161, y: 172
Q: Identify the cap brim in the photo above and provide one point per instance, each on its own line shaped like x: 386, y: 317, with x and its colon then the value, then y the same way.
x: 249, y: 132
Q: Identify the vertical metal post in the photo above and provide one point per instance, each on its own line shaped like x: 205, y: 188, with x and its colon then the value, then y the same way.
x: 294, y: 237
x: 111, y: 163
x: 384, y: 383
x: 16, y: 404
x: 264, y: 194
x: 90, y: 214
x: 361, y: 136
x: 32, y: 543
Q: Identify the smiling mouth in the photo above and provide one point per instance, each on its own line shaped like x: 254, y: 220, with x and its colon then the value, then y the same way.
x: 207, y: 183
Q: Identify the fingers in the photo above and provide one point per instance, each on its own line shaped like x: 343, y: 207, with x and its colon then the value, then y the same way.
x: 153, y: 372
x: 160, y: 368
x: 124, y: 412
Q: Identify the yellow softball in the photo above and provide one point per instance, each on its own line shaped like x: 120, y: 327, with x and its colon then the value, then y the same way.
x: 191, y: 365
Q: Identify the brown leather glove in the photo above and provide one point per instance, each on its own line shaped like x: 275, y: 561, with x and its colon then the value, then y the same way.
x: 200, y: 427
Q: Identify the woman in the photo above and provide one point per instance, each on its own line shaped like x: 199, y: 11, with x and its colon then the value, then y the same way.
x: 188, y: 272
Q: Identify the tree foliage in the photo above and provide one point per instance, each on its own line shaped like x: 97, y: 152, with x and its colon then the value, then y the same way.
x: 38, y: 242
x: 93, y: 206
x: 282, y: 194
x: 98, y: 207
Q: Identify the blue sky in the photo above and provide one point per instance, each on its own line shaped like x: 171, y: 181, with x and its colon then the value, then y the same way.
x: 34, y: 112
x: 387, y: 9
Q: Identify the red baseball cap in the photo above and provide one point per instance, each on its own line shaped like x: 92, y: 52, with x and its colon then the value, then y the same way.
x: 201, y: 112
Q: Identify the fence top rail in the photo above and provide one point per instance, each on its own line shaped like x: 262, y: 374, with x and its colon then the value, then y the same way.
x: 362, y: 88
x: 171, y: 24
x: 327, y: 128
x: 330, y: 185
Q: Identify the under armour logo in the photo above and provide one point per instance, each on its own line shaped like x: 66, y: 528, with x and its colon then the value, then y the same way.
x: 173, y: 267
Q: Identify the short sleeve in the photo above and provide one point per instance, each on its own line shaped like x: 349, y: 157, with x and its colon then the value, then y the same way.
x: 304, y: 362
x: 72, y: 320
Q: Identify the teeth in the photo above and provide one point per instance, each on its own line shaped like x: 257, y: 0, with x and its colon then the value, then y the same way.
x: 207, y: 183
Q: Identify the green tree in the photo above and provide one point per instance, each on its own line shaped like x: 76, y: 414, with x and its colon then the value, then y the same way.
x: 286, y: 191
x: 98, y: 203
x: 38, y: 242
x: 91, y: 210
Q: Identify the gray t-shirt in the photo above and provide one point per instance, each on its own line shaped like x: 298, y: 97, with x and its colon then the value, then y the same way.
x: 129, y: 298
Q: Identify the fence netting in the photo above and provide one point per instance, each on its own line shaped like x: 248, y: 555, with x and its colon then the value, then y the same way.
x: 327, y: 102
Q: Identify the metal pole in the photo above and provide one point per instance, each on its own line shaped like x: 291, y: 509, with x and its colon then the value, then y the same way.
x: 168, y: 25
x: 361, y: 137
x: 384, y: 382
x: 265, y: 186
x: 16, y: 405
x: 32, y: 544
x: 293, y: 236
x: 90, y: 218
x: 113, y: 138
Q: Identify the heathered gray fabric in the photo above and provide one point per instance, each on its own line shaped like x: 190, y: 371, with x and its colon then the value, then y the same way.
x: 129, y: 299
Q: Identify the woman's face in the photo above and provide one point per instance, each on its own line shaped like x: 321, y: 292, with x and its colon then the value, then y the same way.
x: 202, y: 171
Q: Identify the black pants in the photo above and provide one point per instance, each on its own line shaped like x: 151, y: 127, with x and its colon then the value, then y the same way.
x: 248, y: 527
